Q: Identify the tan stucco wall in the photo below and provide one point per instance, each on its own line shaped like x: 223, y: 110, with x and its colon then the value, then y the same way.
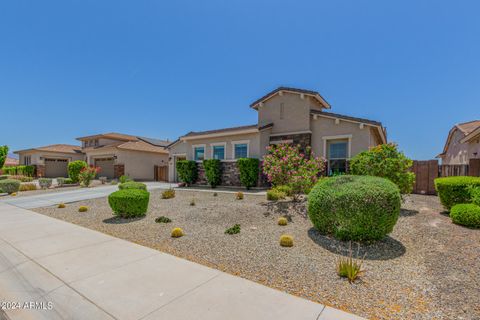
x: 460, y: 153
x: 361, y: 139
x: 36, y: 155
x: 296, y: 113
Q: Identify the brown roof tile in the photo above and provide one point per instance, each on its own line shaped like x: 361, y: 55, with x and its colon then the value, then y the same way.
x: 341, y: 116
x: 197, y: 133
x: 111, y: 135
x: 61, y: 148
x: 468, y: 127
x: 141, y: 146
x: 297, y: 90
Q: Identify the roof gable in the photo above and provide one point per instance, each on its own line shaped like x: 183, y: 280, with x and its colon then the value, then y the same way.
x: 280, y: 90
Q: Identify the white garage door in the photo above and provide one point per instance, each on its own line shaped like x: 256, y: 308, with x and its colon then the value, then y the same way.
x: 106, y: 166
x: 55, y: 168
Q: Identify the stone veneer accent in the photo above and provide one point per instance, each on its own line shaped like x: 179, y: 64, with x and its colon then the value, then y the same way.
x: 39, y: 170
x: 230, y: 175
x: 118, y: 170
x: 302, y: 139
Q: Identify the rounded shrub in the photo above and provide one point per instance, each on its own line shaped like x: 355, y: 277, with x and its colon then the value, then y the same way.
x: 129, y: 203
x: 9, y: 186
x: 132, y: 185
x: 213, y: 171
x: 359, y: 208
x: 286, y: 240
x: 249, y: 169
x: 187, y: 171
x: 239, y: 196
x: 74, y: 169
x: 177, y: 233
x: 455, y: 190
x: 467, y: 214
x: 45, y: 183
x: 61, y: 205
x: 275, y: 195
x: 82, y: 209
x: 282, y: 221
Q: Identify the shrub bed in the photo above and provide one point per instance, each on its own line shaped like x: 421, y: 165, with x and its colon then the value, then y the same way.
x: 129, y: 203
x: 45, y: 183
x: 9, y: 186
x: 27, y: 186
x: 187, y: 171
x: 455, y: 190
x: 359, y: 208
x: 74, y: 169
x: 213, y: 172
x: 275, y: 195
x: 132, y: 185
x: 249, y: 168
x: 467, y: 214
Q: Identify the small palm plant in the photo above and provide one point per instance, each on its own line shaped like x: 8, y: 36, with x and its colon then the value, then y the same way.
x: 349, y: 267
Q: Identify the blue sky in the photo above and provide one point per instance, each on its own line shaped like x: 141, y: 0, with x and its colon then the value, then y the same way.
x: 163, y: 68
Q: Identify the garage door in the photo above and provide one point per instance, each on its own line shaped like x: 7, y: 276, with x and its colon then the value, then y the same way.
x: 106, y: 166
x: 55, y: 168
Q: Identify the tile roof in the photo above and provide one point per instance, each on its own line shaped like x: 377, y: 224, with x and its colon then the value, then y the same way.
x: 198, y: 133
x: 111, y: 135
x: 11, y: 161
x: 290, y: 89
x: 341, y: 116
x: 467, y: 127
x: 60, y: 148
x: 142, y: 146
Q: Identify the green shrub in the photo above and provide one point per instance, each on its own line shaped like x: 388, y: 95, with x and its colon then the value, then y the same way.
x: 249, y: 168
x: 286, y: 240
x: 275, y: 195
x: 82, y: 209
x: 213, y: 171
x: 284, y: 189
x: 61, y: 181
x: 455, y: 190
x: 475, y: 195
x: 21, y: 178
x: 233, y: 230
x: 3, y: 155
x: 61, y: 205
x: 239, y: 196
x: 29, y: 171
x: 4, y: 176
x: 163, y: 219
x: 27, y: 187
x: 168, y: 194
x: 359, y: 208
x: 387, y: 162
x: 348, y: 267
x: 124, y: 179
x: 467, y: 214
x: 132, y: 185
x: 74, y: 169
x: 282, y: 221
x: 9, y: 186
x: 129, y: 203
x: 187, y: 171
x: 45, y: 183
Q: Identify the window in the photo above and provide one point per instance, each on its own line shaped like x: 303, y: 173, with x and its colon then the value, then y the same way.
x: 337, y: 157
x: 198, y: 153
x: 27, y: 160
x: 218, y: 152
x: 240, y: 150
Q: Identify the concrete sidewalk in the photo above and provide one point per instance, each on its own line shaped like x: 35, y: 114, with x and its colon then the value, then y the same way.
x: 75, y: 273
x: 53, y: 198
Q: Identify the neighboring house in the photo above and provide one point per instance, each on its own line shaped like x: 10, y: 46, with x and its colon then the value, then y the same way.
x: 462, y: 145
x: 10, y: 162
x: 50, y: 161
x: 121, y: 154
x: 285, y: 115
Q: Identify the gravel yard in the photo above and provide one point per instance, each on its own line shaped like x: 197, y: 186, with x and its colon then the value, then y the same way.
x: 426, y: 269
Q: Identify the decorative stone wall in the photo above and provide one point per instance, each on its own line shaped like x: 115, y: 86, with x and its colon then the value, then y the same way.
x: 39, y: 170
x: 230, y: 175
x: 303, y: 139
x: 118, y: 170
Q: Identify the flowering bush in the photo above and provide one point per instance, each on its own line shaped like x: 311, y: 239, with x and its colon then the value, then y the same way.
x: 286, y: 165
x: 87, y: 174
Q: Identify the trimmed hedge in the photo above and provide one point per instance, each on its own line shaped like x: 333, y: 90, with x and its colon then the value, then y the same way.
x: 359, y: 208
x: 132, y: 185
x: 187, y: 171
x: 467, y: 214
x: 213, y: 171
x: 475, y: 194
x: 74, y: 169
x: 19, y: 170
x: 9, y: 186
x: 129, y: 203
x: 249, y: 168
x: 455, y: 190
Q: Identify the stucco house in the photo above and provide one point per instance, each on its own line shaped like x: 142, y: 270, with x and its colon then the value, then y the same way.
x: 120, y: 154
x: 50, y: 161
x: 285, y: 115
x: 462, y: 144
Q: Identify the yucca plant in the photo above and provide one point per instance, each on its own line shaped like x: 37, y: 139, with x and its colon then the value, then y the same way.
x: 349, y: 267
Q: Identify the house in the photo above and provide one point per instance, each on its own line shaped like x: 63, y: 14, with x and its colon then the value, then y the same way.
x: 120, y: 154
x: 285, y: 115
x: 462, y: 144
x: 50, y: 161
x: 11, y: 161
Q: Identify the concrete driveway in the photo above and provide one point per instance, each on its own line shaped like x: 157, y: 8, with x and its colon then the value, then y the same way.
x: 50, y: 269
x: 53, y: 198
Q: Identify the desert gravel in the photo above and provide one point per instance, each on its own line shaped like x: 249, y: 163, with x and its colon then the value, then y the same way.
x: 428, y: 268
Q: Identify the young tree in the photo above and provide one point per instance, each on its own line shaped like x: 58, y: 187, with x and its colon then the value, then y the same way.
x: 3, y: 155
